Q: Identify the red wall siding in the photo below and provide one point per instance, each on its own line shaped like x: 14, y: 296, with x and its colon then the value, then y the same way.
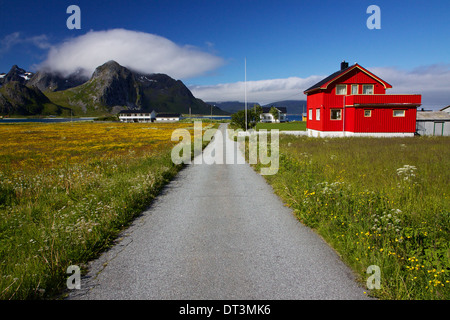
x: 331, y: 125
x: 382, y: 120
x: 313, y: 102
x: 331, y: 99
x: 350, y: 117
x: 383, y: 99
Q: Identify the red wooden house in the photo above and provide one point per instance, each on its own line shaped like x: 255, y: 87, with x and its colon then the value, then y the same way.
x: 353, y: 102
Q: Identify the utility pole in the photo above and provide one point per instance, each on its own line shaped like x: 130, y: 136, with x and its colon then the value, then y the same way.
x: 245, y: 85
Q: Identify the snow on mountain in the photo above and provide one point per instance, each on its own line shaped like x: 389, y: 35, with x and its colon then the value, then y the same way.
x: 27, y: 75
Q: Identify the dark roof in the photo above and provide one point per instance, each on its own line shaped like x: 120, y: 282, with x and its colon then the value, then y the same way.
x: 168, y: 115
x: 337, y: 74
x: 329, y: 78
x: 267, y: 109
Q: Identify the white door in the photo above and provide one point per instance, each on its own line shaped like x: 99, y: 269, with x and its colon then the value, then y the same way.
x: 438, y: 128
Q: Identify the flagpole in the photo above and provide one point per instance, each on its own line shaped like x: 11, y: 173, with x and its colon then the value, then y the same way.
x: 245, y: 93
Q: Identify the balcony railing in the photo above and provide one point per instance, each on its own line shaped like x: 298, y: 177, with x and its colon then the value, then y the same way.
x: 383, y: 99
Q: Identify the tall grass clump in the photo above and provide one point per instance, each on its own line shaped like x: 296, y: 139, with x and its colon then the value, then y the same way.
x: 377, y: 201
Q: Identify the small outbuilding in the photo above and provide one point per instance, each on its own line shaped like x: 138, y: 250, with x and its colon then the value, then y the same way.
x: 168, y: 117
x: 433, y: 123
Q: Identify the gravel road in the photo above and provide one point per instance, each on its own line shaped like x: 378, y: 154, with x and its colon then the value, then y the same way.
x: 218, y: 232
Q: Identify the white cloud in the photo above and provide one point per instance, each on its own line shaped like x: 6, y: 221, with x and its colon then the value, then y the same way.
x: 9, y: 41
x: 139, y: 51
x: 262, y: 91
x: 432, y: 82
x: 41, y: 41
x: 16, y: 38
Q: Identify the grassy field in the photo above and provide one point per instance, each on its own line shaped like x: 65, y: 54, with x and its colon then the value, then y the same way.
x: 383, y: 202
x: 286, y: 126
x: 67, y: 190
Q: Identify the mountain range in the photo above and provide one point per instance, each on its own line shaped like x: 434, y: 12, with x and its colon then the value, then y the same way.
x: 292, y: 106
x: 110, y: 89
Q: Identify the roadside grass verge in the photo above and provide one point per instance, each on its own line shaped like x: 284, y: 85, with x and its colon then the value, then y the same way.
x: 67, y: 191
x: 383, y: 202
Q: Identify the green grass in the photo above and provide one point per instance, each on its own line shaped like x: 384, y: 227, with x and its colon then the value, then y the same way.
x: 286, y: 126
x: 62, y: 99
x: 69, y: 216
x: 79, y: 100
x: 383, y: 202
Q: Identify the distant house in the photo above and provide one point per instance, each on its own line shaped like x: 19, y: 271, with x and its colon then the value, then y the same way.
x: 137, y: 116
x: 145, y: 116
x: 433, y: 123
x: 168, y: 117
x: 266, y: 116
x: 353, y: 102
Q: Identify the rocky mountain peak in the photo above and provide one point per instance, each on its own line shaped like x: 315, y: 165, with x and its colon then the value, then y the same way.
x: 114, y: 85
x: 16, y: 74
x: 111, y: 69
x: 49, y: 81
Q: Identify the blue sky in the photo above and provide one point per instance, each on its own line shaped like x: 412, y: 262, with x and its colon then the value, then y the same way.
x: 288, y: 44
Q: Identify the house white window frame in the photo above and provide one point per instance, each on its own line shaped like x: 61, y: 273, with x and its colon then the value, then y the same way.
x: 369, y: 113
x: 355, y: 86
x: 310, y: 114
x: 339, y: 87
x: 365, y: 86
x: 402, y: 113
x: 318, y: 114
x: 337, y: 118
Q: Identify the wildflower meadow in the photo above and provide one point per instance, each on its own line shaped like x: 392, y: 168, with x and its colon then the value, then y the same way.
x: 67, y: 190
x: 377, y: 201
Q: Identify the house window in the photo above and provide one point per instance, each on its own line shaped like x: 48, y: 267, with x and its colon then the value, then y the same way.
x: 310, y: 114
x: 354, y: 89
x: 368, y: 89
x: 317, y: 114
x: 341, y: 89
x: 399, y: 113
x: 367, y: 113
x: 335, y: 114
